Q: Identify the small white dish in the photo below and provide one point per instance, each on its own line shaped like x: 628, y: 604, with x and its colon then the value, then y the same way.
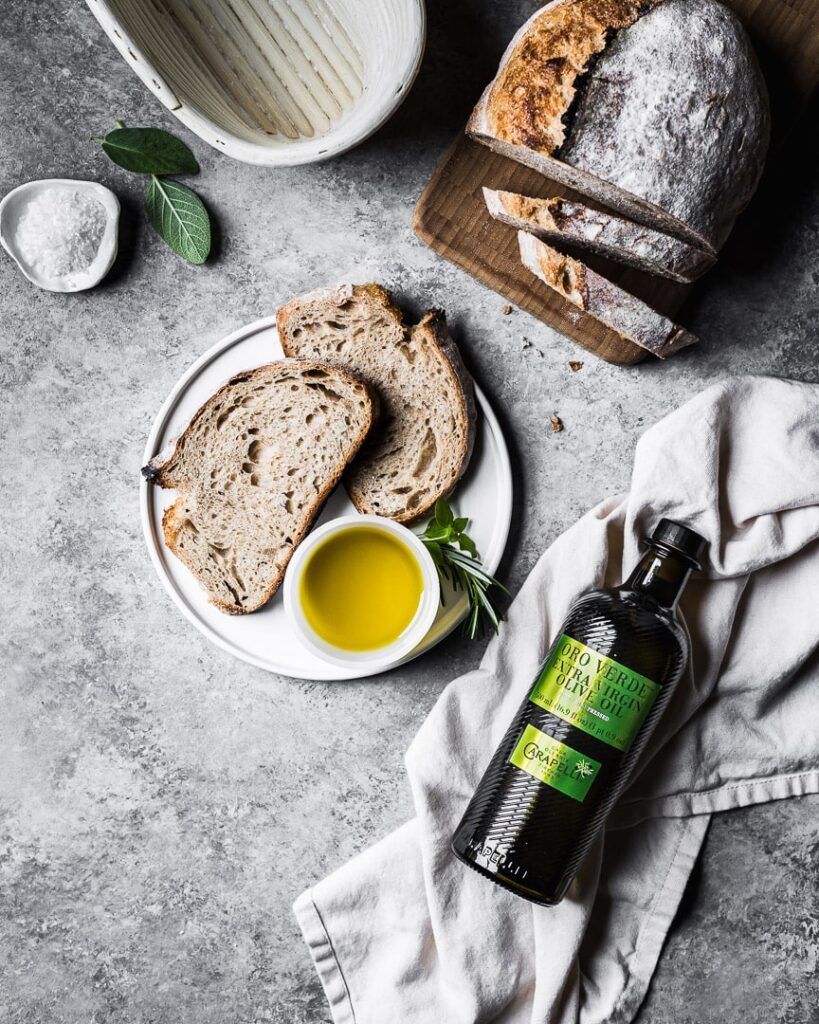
x: 381, y: 657
x: 12, y: 208
x: 278, y: 84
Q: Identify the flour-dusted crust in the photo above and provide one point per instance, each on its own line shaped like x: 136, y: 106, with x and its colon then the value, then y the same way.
x: 666, y: 123
x: 597, y: 297
x: 681, y: 93
x: 423, y: 443
x: 253, y: 469
x: 560, y: 221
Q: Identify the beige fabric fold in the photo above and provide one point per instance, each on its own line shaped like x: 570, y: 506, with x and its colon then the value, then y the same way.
x: 404, y: 932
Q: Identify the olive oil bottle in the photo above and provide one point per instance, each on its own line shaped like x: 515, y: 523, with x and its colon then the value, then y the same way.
x: 572, y: 746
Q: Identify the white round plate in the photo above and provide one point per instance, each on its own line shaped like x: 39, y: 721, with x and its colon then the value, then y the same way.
x: 265, y: 638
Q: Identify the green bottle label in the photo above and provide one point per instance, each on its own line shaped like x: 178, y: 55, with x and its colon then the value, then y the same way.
x: 594, y: 693
x: 552, y: 762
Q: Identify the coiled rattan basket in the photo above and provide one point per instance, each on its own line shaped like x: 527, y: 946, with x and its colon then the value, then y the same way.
x: 276, y: 82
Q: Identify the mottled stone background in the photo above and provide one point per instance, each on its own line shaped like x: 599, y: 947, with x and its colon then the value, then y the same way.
x: 155, y: 818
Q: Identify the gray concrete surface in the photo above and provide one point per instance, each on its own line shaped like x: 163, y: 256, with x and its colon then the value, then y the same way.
x: 155, y: 819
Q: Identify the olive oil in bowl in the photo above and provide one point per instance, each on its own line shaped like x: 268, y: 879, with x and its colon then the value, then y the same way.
x: 361, y: 591
x: 360, y: 588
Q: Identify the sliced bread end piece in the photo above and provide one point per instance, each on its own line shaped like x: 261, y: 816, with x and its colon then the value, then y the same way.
x: 566, y: 222
x: 423, y: 442
x: 603, y: 300
x: 253, y: 469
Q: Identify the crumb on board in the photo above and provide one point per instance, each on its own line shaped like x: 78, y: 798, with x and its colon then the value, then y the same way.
x: 574, y: 365
x: 557, y: 423
x: 506, y: 310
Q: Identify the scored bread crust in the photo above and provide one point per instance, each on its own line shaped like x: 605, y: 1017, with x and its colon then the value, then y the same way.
x: 657, y: 110
x: 164, y: 470
x: 561, y: 221
x: 536, y: 84
x: 430, y: 335
x: 603, y: 300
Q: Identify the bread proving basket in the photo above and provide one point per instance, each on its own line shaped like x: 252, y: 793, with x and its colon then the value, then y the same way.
x: 274, y: 82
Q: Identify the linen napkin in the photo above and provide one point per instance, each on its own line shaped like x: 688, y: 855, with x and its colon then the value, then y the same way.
x: 404, y: 932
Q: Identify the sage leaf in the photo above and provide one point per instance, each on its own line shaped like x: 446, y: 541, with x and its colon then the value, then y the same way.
x: 148, y: 151
x: 179, y: 217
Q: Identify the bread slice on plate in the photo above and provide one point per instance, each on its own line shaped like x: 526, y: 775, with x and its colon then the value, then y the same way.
x: 563, y: 222
x: 603, y: 300
x: 654, y: 108
x: 422, y: 444
x: 253, y: 468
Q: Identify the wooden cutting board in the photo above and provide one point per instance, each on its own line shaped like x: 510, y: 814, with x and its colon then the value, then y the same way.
x: 451, y: 217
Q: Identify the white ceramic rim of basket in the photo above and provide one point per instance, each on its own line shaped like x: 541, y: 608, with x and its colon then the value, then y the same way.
x: 349, y: 132
x: 409, y: 639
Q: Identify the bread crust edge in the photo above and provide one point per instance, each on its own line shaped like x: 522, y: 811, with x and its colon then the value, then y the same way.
x: 681, y: 261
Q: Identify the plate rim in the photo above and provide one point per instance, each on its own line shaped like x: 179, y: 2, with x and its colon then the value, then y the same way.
x: 491, y: 561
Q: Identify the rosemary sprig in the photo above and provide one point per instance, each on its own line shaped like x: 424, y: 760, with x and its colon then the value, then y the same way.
x: 458, y: 563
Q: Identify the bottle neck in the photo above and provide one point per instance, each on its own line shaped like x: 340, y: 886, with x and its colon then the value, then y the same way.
x: 661, y: 574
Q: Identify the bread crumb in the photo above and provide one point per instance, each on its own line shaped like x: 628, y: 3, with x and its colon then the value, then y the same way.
x: 557, y: 423
x: 506, y: 310
x: 575, y: 366
x: 525, y: 343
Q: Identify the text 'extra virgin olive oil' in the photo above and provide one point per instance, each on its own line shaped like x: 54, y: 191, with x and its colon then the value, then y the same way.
x: 572, y: 746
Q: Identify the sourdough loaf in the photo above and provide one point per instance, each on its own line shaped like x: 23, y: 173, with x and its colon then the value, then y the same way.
x: 423, y: 442
x: 561, y: 221
x: 597, y: 297
x: 253, y: 468
x: 656, y: 109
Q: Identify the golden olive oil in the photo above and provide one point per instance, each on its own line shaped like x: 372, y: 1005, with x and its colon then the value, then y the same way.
x: 361, y: 588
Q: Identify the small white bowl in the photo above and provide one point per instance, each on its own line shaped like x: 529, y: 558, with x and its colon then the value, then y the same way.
x: 415, y: 632
x: 278, y: 84
x: 11, y: 209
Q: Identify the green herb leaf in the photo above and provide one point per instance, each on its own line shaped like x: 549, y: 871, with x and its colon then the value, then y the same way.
x: 148, y: 151
x: 179, y: 217
x: 436, y: 532
x: 434, y: 549
x: 446, y: 541
x: 467, y: 544
x: 443, y: 513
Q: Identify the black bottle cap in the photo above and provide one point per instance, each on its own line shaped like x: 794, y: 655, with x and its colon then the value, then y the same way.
x: 669, y: 534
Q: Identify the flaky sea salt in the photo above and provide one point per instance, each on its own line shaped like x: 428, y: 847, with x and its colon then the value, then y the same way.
x: 60, y: 231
